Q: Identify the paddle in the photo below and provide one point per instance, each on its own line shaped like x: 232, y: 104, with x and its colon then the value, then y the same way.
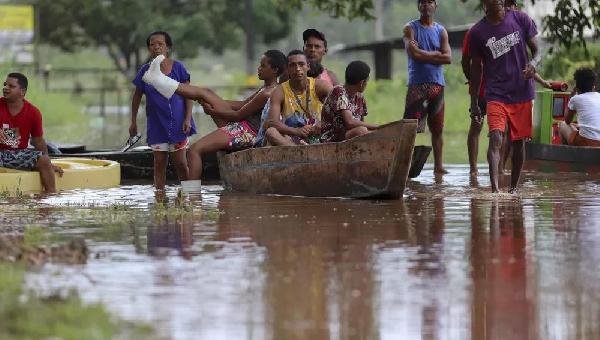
x: 131, y: 141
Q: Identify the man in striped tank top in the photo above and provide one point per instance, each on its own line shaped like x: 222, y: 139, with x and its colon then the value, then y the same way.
x: 427, y: 46
x: 295, y: 112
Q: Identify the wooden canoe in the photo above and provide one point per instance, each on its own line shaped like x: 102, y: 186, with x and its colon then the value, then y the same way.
x: 138, y: 163
x: 79, y: 173
x: 373, y: 165
x: 561, y: 158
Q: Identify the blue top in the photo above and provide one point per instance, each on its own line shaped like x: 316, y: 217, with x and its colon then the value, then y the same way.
x: 164, y: 116
x: 429, y: 39
x: 260, y: 137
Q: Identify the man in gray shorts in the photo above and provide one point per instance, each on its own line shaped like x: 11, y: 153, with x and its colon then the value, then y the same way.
x: 21, y: 122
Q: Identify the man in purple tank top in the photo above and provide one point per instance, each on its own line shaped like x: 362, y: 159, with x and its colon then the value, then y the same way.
x: 427, y: 46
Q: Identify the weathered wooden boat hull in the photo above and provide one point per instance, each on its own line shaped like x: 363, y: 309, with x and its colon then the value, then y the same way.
x: 79, y: 173
x: 139, y: 165
x: 373, y: 165
x: 561, y: 158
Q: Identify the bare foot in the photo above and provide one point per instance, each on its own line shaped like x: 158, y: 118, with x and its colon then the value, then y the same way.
x: 440, y: 171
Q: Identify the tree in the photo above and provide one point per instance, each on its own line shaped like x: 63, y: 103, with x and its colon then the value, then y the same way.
x: 565, y: 27
x: 121, y: 26
x: 570, y: 20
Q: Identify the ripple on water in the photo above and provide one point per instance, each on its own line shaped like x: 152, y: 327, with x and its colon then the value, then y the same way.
x: 451, y: 258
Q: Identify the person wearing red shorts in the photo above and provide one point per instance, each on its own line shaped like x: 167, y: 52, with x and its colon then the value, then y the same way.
x: 499, y: 45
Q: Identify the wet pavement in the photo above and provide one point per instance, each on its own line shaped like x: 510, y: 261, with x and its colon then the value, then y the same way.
x: 449, y: 261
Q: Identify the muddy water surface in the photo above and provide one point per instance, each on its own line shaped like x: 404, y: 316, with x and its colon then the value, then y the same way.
x: 450, y: 261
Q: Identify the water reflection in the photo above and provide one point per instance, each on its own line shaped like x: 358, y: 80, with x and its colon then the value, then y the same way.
x: 449, y: 261
x: 502, y: 308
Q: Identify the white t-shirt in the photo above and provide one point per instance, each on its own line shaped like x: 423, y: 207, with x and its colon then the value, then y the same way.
x: 587, y: 106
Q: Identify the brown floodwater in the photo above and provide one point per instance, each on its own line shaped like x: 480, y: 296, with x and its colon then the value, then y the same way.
x: 449, y: 261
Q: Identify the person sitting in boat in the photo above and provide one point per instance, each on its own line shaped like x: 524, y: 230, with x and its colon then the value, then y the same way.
x: 345, y: 108
x: 241, y: 121
x: 169, y: 121
x: 586, y: 104
x: 20, y: 123
x: 295, y: 112
x: 315, y: 48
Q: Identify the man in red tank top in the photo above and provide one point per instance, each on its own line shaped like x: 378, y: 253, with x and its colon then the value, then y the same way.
x: 20, y: 121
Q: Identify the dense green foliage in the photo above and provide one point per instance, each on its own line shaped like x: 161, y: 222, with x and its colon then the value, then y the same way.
x: 562, y: 63
x: 122, y: 26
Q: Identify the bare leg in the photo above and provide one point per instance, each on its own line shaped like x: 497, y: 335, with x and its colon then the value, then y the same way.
x: 437, y: 143
x: 160, y: 169
x: 274, y: 137
x: 493, y: 156
x: 355, y: 132
x: 180, y: 162
x: 566, y: 132
x: 203, y: 94
x: 518, y: 156
x: 44, y: 166
x: 504, y: 150
x: 473, y: 144
x: 214, y: 141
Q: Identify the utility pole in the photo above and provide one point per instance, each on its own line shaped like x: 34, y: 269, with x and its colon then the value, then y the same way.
x: 250, y: 38
x: 379, y: 19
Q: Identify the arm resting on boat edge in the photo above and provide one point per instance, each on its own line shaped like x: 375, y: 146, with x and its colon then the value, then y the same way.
x: 350, y: 122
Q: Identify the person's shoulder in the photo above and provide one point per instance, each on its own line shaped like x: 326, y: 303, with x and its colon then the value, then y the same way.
x: 178, y: 64
x: 519, y: 14
x: 477, y: 27
x: 338, y: 88
x: 31, y: 107
x: 319, y: 83
x: 439, y: 26
x: 411, y: 23
x: 592, y: 95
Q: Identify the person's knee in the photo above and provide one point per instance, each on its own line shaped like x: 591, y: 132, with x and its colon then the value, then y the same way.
x: 496, y: 137
x: 272, y: 133
x: 44, y: 163
x: 475, y: 126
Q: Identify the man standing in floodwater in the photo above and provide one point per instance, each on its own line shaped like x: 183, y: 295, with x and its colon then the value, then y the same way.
x: 499, y: 42
x: 427, y: 46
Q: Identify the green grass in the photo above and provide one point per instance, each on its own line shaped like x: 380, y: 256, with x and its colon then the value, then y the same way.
x: 24, y: 315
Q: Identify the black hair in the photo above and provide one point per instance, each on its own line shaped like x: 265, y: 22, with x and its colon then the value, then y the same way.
x: 585, y: 79
x: 356, y: 72
x: 168, y: 39
x: 295, y: 52
x: 311, y: 32
x: 21, y: 79
x: 277, y: 60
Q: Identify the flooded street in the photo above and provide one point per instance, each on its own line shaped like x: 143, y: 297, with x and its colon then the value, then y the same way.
x: 449, y: 261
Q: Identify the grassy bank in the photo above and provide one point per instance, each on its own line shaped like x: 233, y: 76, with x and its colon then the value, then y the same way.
x: 24, y: 315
